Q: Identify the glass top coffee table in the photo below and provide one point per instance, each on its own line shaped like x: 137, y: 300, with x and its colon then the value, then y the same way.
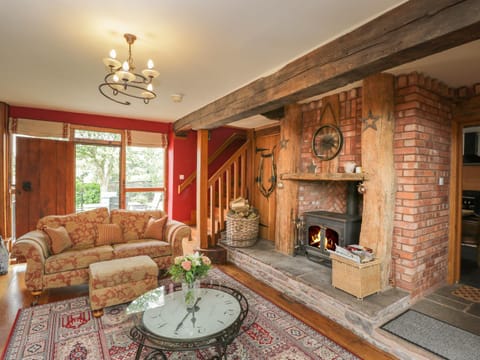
x: 163, y: 323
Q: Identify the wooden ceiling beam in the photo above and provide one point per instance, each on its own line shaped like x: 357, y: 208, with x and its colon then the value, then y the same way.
x: 411, y: 31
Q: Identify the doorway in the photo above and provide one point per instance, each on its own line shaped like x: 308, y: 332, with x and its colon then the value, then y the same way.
x: 470, y: 223
x: 263, y: 194
x: 37, y: 162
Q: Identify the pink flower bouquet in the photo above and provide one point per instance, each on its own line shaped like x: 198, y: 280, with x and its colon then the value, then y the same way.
x: 190, y: 267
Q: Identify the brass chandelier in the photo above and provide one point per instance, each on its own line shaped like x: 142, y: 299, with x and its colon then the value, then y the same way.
x: 123, y: 82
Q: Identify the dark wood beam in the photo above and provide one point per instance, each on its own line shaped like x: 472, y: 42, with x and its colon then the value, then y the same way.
x: 411, y: 31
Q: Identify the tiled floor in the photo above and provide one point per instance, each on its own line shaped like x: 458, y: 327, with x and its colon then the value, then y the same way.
x: 452, y: 309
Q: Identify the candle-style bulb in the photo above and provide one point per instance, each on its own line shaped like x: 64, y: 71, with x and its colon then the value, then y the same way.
x: 150, y: 64
x: 115, y: 78
x: 113, y: 54
x: 125, y: 66
x: 150, y: 87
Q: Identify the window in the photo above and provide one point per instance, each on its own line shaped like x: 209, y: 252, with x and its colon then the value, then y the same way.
x: 105, y: 157
x: 145, y: 178
x: 97, y: 169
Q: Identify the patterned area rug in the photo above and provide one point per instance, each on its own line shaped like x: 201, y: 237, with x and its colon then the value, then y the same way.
x: 467, y: 292
x: 67, y: 330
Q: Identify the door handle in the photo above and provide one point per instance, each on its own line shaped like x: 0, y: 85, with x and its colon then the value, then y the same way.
x: 27, y: 186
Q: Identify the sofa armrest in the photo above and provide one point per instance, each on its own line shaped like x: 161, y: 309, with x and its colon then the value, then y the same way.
x: 34, y: 247
x: 175, y: 232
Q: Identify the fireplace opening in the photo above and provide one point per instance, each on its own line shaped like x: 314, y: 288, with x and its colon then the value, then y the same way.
x: 325, y: 230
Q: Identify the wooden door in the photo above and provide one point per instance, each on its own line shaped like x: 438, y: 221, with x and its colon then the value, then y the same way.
x: 266, y: 205
x: 44, y: 181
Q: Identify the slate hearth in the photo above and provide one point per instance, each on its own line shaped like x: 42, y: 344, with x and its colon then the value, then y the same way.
x: 310, y: 283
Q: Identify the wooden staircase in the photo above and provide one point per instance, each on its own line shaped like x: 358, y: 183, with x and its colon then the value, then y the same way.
x: 226, y: 184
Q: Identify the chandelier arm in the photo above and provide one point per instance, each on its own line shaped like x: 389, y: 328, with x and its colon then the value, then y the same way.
x: 114, y: 85
x: 144, y: 80
x: 100, y: 88
x: 130, y: 85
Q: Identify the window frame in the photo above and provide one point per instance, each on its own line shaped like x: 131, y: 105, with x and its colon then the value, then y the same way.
x: 123, y: 189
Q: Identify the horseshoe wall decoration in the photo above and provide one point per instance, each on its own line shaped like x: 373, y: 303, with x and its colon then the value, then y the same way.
x: 273, y: 179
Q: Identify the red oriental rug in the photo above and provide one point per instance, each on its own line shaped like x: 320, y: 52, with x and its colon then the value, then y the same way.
x: 67, y: 330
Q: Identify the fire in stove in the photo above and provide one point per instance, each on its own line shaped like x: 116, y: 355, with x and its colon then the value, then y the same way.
x: 324, y: 230
x: 323, y: 238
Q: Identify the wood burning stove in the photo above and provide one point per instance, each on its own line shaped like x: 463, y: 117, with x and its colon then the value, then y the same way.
x: 325, y: 230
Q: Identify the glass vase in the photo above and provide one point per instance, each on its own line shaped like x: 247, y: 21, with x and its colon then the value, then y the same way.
x: 190, y: 292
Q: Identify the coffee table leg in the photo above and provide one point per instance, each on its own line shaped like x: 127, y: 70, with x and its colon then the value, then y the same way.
x: 221, y: 351
x: 139, y: 351
x: 154, y: 353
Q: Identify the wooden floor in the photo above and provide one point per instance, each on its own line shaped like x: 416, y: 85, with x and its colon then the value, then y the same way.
x: 15, y: 296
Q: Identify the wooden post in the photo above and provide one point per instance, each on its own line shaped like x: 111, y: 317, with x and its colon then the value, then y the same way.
x: 287, y: 191
x: 378, y: 163
x: 202, y: 190
x: 5, y: 228
x: 208, y: 245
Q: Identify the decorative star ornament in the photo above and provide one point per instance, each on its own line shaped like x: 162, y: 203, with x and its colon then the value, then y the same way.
x: 370, y: 121
x: 283, y: 143
x: 311, y: 168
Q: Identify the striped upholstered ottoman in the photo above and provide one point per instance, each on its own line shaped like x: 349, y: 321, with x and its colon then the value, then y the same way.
x: 119, y: 281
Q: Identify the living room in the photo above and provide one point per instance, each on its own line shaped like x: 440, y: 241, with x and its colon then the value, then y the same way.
x: 412, y: 205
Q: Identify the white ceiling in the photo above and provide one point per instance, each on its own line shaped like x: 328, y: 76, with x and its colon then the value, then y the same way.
x: 52, y: 50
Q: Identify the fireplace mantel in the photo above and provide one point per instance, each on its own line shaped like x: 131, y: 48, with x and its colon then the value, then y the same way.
x: 323, y: 177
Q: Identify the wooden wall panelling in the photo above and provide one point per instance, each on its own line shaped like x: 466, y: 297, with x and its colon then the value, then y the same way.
x: 378, y: 164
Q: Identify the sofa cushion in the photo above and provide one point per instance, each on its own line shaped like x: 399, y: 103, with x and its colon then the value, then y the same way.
x: 155, y: 228
x: 77, y: 259
x: 109, y: 234
x: 133, y: 223
x: 150, y: 247
x: 81, y: 227
x: 58, y: 239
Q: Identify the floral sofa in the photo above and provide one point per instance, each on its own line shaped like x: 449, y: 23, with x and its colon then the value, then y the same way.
x: 60, y: 250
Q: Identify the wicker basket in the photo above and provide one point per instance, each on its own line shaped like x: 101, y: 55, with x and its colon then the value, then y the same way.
x: 241, y: 232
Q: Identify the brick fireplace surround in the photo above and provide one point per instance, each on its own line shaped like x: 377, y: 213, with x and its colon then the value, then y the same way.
x: 423, y: 110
